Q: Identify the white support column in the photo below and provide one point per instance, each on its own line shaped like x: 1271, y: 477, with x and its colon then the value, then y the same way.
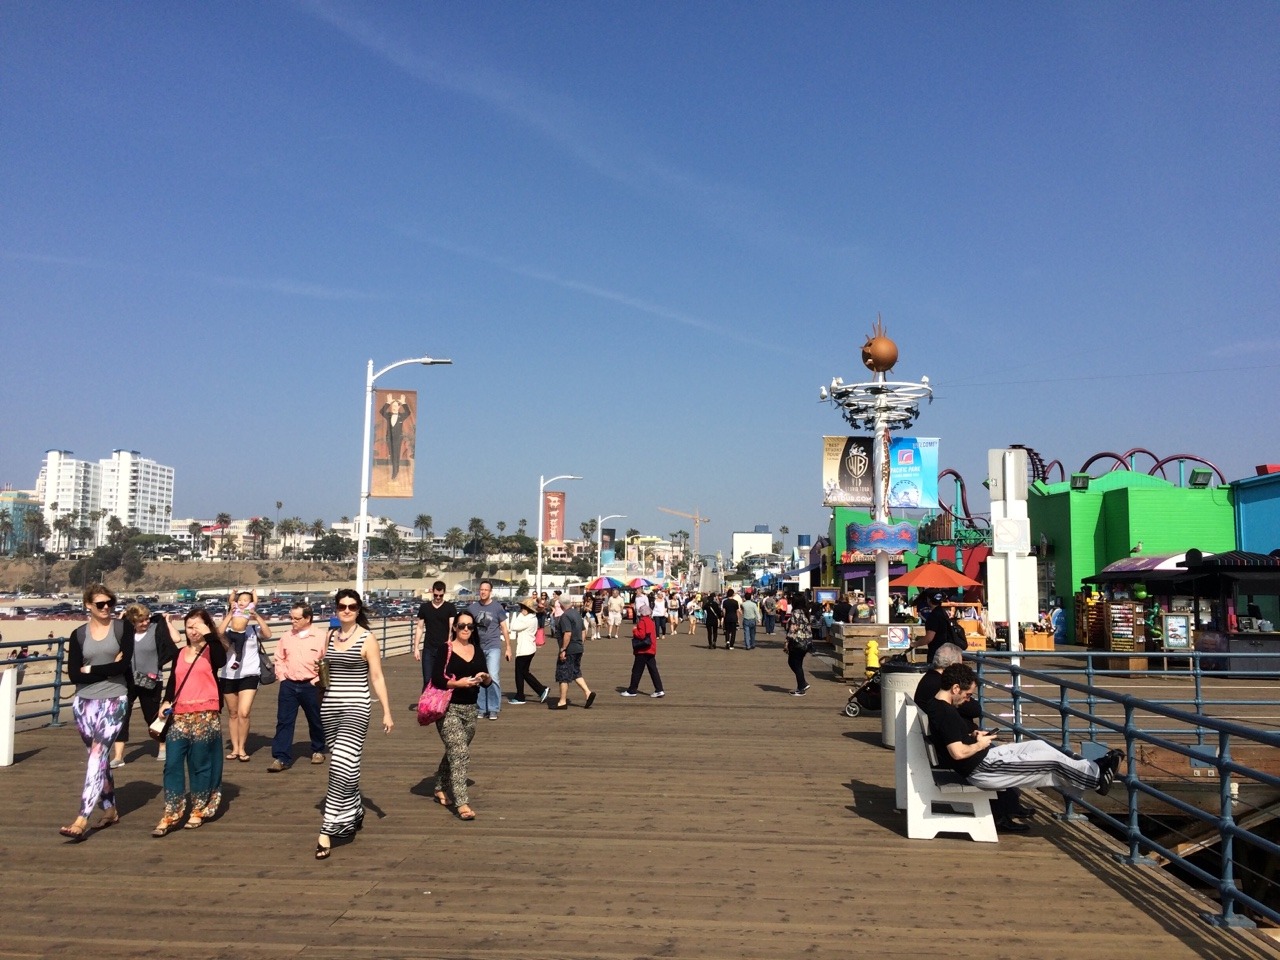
x: 8, y: 714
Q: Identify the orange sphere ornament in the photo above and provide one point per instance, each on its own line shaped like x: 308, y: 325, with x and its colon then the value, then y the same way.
x: 879, y: 353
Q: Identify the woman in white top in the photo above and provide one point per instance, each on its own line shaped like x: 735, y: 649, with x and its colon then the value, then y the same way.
x: 524, y: 632
x: 660, y: 612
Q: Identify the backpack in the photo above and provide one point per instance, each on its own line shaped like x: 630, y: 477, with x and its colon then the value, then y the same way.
x: 958, y: 636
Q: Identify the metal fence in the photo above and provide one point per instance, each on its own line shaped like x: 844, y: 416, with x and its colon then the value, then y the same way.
x: 44, y: 692
x: 1067, y: 704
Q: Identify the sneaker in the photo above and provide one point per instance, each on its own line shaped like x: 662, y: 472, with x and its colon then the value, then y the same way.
x: 117, y: 764
x: 492, y: 716
x: 805, y: 688
x: 160, y: 755
x: 658, y: 695
x: 317, y: 758
x: 277, y: 766
x: 514, y: 702
x: 628, y: 693
x: 1107, y: 767
x: 1005, y: 825
x: 799, y: 693
x: 543, y: 697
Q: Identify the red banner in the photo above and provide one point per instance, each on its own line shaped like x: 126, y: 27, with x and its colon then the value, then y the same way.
x: 553, y: 516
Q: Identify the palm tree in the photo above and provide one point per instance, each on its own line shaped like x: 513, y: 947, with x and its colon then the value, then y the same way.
x: 478, y: 532
x: 454, y: 539
x: 36, y: 530
x: 115, y: 529
x: 257, y: 529
x: 422, y: 523
x: 222, y: 521
x: 284, y: 530
x: 197, y: 535
x: 317, y: 528
x: 520, y: 527
x: 6, y: 530
x: 64, y: 525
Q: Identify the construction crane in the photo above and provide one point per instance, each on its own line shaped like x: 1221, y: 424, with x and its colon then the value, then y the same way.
x: 698, y: 521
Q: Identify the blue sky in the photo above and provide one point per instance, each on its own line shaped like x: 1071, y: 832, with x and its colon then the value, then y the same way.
x: 645, y: 234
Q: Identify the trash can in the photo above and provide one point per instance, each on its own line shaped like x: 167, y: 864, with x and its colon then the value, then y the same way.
x: 896, y: 675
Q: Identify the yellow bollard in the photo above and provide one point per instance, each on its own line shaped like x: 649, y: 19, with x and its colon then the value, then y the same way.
x: 873, y: 656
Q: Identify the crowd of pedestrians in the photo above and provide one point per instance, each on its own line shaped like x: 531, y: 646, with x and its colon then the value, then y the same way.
x: 331, y: 674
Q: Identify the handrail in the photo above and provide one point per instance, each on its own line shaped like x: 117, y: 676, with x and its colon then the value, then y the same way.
x: 1195, y: 726
x: 395, y: 638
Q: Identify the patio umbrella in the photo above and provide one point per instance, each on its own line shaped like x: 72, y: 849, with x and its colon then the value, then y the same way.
x: 639, y: 583
x: 934, y: 575
x: 604, y: 583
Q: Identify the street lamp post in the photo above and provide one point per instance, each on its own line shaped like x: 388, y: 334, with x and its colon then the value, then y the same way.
x: 362, y: 518
x: 600, y: 536
x: 542, y: 486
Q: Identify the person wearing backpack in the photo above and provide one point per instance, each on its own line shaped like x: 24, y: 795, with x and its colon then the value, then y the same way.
x: 938, y: 627
x: 769, y: 611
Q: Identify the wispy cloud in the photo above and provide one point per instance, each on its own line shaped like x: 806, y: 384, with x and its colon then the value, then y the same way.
x: 282, y: 286
x: 1247, y: 348
x: 595, y: 142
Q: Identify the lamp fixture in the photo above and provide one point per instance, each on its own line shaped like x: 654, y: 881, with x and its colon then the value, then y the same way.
x: 1200, y: 477
x: 1080, y: 481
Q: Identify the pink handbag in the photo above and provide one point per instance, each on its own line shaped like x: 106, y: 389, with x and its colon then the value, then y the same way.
x: 434, y: 702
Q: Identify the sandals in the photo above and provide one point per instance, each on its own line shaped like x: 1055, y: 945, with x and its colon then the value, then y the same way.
x: 442, y: 798
x: 193, y: 822
x: 74, y: 833
x: 233, y: 756
x: 165, y: 825
x: 466, y: 813
x: 108, y: 820
x: 322, y: 851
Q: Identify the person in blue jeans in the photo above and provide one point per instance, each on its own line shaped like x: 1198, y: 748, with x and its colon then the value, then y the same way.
x: 297, y: 654
x: 495, y: 643
x: 750, y: 618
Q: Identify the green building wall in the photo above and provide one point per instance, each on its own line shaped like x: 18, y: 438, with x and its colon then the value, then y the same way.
x: 1089, y: 529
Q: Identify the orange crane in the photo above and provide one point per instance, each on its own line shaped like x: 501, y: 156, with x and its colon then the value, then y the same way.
x: 698, y: 521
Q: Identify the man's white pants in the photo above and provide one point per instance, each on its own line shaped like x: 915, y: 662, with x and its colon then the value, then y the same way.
x: 1034, y: 763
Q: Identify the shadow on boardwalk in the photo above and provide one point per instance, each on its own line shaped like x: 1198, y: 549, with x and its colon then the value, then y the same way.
x: 728, y: 820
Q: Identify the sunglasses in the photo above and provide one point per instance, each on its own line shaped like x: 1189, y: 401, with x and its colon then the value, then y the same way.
x: 348, y: 606
x: 463, y: 626
x: 102, y: 604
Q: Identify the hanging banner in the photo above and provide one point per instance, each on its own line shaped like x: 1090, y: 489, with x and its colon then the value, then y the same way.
x: 608, y: 535
x: 553, y: 516
x: 846, y: 471
x: 394, y: 443
x: 913, y: 472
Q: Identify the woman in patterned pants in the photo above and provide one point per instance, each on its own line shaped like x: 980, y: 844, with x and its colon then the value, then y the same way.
x: 462, y: 671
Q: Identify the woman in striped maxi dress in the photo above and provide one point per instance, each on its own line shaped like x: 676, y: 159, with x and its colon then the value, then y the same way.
x: 354, y: 667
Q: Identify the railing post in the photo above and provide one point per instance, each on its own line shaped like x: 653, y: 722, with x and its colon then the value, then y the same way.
x: 57, y: 683
x: 1198, y: 680
x: 1090, y: 700
x: 1226, y: 874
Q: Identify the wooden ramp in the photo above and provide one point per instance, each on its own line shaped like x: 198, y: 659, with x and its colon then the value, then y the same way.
x: 728, y: 820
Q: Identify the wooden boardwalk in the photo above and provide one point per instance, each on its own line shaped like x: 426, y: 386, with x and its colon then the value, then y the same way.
x: 725, y: 821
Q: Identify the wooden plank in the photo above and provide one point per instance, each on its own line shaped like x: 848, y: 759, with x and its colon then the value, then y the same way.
x: 728, y: 820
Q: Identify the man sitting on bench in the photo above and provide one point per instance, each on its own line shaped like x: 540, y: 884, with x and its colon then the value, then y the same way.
x: 976, y: 756
x: 1008, y: 807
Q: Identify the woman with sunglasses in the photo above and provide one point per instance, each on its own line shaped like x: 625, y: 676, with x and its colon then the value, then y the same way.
x: 153, y: 647
x: 355, y: 666
x: 193, y: 744
x: 99, y: 659
x: 460, y: 669
x: 238, y: 680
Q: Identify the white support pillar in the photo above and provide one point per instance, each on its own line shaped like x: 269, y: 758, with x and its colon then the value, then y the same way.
x: 8, y: 714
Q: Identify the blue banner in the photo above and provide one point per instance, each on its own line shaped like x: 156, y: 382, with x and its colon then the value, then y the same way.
x: 913, y: 472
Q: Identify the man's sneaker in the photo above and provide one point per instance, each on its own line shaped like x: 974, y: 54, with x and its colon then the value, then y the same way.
x: 1005, y: 825
x: 805, y: 688
x: 628, y: 693
x: 1107, y: 768
x: 161, y: 755
x: 513, y: 701
x: 492, y: 716
x: 277, y: 766
x: 657, y: 695
x: 317, y: 758
x: 799, y: 693
x: 543, y: 697
x: 116, y: 764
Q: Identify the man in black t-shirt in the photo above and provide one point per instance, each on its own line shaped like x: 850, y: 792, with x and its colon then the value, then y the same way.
x: 435, y: 621
x: 937, y: 626
x: 976, y: 756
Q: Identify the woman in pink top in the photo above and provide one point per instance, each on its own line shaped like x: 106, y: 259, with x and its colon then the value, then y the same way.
x: 193, y: 754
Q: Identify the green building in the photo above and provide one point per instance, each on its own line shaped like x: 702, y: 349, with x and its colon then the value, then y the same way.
x: 1118, y: 515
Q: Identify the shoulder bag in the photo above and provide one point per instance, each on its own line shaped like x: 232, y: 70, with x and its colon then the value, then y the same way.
x: 159, y: 728
x: 434, y: 702
x: 266, y: 666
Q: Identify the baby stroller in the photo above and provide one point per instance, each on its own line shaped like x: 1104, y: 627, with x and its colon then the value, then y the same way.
x: 865, y: 697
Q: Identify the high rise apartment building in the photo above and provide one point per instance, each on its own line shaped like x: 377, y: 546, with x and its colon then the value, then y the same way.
x: 136, y: 490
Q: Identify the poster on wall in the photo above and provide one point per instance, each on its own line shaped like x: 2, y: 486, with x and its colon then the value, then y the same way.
x: 846, y: 471
x: 1177, y: 631
x: 553, y: 516
x: 394, y: 442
